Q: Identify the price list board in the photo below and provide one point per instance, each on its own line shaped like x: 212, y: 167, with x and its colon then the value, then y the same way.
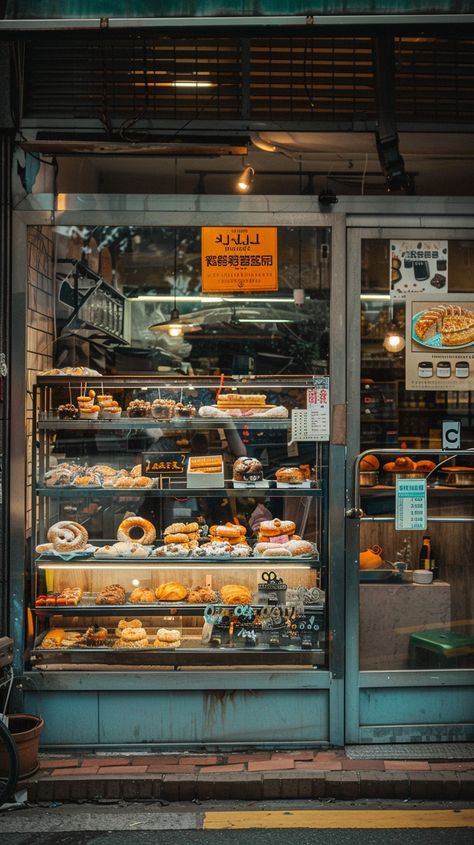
x: 410, y: 504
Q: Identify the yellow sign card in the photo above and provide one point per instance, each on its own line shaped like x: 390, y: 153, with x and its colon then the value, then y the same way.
x: 239, y: 259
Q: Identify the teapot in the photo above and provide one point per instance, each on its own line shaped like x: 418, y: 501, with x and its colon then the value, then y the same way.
x: 371, y: 558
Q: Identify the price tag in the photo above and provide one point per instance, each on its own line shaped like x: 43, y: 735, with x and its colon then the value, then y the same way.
x: 410, y: 504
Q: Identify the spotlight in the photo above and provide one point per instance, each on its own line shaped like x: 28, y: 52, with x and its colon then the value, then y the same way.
x: 245, y: 179
x: 393, y: 340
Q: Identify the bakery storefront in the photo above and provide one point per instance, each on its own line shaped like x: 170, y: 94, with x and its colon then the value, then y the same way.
x: 217, y: 548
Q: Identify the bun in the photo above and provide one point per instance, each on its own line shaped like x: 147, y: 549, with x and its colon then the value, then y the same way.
x: 369, y: 463
x: 290, y: 475
x: 390, y: 467
x: 425, y: 466
x: 245, y: 467
x: 235, y: 594
x: 405, y: 464
x: 142, y: 595
x: 276, y: 527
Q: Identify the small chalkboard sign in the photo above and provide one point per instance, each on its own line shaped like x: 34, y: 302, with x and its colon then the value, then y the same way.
x: 156, y: 464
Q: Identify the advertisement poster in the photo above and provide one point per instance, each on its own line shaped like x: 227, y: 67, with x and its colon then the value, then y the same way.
x: 439, y: 343
x: 418, y: 267
x: 237, y: 259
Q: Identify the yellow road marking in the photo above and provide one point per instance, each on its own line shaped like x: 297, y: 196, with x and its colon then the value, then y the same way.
x: 336, y: 819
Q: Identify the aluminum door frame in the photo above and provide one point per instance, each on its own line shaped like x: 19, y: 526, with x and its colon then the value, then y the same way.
x: 398, y: 683
x: 183, y: 210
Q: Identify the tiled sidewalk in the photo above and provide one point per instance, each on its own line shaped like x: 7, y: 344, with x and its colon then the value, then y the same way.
x: 258, y: 775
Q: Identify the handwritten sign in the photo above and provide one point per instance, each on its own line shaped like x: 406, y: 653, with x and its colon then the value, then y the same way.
x: 238, y: 259
x: 155, y: 464
x: 410, y: 504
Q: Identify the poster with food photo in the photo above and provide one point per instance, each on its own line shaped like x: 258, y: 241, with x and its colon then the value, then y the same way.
x: 418, y: 267
x: 439, y: 343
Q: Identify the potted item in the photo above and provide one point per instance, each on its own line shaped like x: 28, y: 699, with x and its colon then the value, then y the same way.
x: 26, y: 731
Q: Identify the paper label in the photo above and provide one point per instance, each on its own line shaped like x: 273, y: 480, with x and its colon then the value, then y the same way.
x: 410, y: 504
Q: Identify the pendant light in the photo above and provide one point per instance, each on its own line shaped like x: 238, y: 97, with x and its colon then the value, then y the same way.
x: 176, y: 326
x: 393, y: 340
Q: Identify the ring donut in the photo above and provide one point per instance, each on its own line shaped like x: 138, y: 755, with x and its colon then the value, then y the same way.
x: 132, y: 634
x: 135, y: 529
x: 68, y: 536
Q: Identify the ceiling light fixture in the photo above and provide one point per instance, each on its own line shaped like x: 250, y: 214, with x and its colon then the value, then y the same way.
x: 246, y: 178
x: 175, y: 326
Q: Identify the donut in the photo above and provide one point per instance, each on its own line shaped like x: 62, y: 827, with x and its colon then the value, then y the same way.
x: 68, y: 536
x: 127, y: 623
x: 275, y: 527
x: 191, y: 528
x: 175, y: 538
x: 175, y: 528
x: 168, y: 635
x: 121, y: 643
x: 228, y: 531
x: 135, y: 525
x: 133, y: 634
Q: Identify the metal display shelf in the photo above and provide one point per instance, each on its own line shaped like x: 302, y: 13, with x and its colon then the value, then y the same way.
x: 176, y: 423
x: 154, y: 562
x: 185, y: 492
x: 172, y: 609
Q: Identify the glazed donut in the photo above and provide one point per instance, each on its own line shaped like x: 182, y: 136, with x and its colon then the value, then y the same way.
x: 175, y: 538
x: 133, y: 634
x: 68, y: 536
x: 275, y: 527
x: 136, y: 525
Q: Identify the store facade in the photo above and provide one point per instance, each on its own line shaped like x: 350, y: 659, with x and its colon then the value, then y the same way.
x: 354, y: 650
x: 360, y: 682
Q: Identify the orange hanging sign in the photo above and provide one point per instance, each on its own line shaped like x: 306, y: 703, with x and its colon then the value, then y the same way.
x: 236, y: 259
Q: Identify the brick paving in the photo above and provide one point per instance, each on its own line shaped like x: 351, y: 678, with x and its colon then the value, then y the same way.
x: 260, y: 775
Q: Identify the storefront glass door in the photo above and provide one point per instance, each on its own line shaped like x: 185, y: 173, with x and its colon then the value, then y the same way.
x: 410, y: 580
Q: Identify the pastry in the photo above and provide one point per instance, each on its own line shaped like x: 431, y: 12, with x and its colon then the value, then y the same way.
x: 53, y: 638
x: 127, y: 623
x: 202, y: 595
x: 136, y: 471
x: 58, y: 478
x: 299, y: 547
x: 88, y: 479
x: 89, y: 412
x: 142, y: 595
x: 290, y: 475
x: 132, y: 633
x: 404, y: 464
x: 185, y: 409
x: 95, y: 635
x: 142, y: 482
x: 69, y: 596
x: 229, y: 400
x: 228, y: 531
x: 104, y: 470
x: 240, y: 550
x: 112, y: 594
x: 235, y: 594
x: 163, y: 409
x: 206, y: 464
x: 135, y: 529
x: 277, y: 550
x: 172, y: 591
x: 139, y: 408
x: 121, y: 643
x: 173, y: 550
x: 215, y: 549
x: 175, y: 538
x: 247, y: 469
x: 425, y: 466
x: 44, y: 547
x: 68, y: 536
x: 104, y: 399
x: 168, y: 635
x: 162, y: 644
x: 454, y: 322
x: 276, y: 528
x: 110, y: 412
x: 369, y: 463
x: 68, y: 412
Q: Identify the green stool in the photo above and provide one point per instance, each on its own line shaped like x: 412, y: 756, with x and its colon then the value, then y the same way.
x: 440, y: 649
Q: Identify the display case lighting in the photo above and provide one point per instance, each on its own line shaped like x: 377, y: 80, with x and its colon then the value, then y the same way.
x: 170, y: 564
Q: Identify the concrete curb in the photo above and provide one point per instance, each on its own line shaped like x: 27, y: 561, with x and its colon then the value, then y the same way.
x: 342, y: 785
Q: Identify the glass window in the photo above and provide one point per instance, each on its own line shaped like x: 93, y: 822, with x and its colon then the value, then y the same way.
x: 404, y: 624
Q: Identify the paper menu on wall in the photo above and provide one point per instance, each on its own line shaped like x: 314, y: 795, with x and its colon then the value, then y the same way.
x: 313, y: 422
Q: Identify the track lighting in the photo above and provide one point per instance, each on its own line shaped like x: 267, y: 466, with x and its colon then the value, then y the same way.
x: 245, y: 179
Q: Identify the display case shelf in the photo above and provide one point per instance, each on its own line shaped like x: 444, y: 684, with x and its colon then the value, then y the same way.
x: 196, y: 563
x: 173, y: 609
x: 174, y: 490
x: 175, y: 424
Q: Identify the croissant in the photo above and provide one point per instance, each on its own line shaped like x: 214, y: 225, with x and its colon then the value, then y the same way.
x: 172, y: 591
x: 235, y: 594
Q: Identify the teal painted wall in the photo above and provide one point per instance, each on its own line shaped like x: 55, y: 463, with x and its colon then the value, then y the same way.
x: 203, y: 8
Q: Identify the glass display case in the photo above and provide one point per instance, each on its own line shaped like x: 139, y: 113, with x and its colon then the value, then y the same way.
x: 177, y: 523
